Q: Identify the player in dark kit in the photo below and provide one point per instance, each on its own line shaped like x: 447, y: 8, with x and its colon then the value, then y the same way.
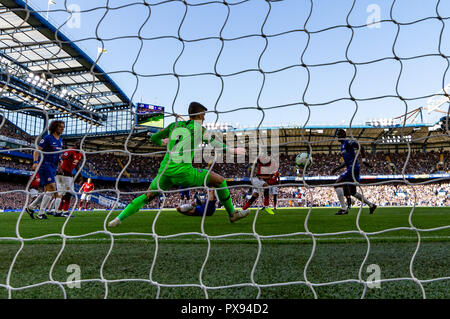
x: 351, y: 175
x: 199, y: 206
x: 50, y: 145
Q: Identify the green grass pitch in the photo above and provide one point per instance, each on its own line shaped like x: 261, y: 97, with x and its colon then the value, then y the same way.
x: 262, y: 258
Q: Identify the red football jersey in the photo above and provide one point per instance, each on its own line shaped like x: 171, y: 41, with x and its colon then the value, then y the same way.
x: 265, y: 166
x: 87, y: 187
x: 70, y: 160
x: 274, y: 179
x: 36, y: 181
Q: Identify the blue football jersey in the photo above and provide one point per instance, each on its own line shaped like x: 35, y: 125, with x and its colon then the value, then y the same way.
x: 50, y: 144
x: 349, y: 154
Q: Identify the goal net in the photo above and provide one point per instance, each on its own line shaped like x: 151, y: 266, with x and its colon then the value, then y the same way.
x: 278, y: 78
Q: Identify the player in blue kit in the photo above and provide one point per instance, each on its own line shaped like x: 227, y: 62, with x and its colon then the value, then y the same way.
x: 51, y: 145
x: 351, y: 175
x: 198, y: 207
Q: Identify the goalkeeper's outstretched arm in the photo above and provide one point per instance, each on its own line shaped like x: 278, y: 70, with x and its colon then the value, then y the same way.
x: 158, y: 138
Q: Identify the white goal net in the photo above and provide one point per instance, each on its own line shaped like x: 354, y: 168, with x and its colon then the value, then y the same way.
x: 278, y: 78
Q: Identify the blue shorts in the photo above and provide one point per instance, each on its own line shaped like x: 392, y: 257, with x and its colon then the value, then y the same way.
x: 200, y: 210
x: 47, y: 174
x: 348, y: 176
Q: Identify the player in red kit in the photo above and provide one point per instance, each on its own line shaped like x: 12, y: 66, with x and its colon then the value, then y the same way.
x: 86, y: 188
x: 273, y: 181
x: 264, y: 170
x: 70, y: 160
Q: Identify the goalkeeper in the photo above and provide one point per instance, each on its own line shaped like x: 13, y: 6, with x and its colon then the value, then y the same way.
x: 182, y: 138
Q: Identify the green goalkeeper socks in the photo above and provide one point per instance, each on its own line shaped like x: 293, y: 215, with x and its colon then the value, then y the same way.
x: 225, y: 197
x: 133, y: 207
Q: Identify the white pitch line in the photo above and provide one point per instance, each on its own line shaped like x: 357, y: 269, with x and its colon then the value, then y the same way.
x: 118, y: 239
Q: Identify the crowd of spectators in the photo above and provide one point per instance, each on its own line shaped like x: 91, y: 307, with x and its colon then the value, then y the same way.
x: 323, y: 164
x: 10, y: 130
x: 13, y: 195
x: 146, y: 166
x: 135, y: 166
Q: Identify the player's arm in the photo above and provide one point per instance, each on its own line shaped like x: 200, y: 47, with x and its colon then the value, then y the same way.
x: 338, y: 168
x: 36, y: 153
x: 36, y: 158
x: 162, y: 136
x: 219, y: 145
x: 363, y: 154
x: 64, y: 156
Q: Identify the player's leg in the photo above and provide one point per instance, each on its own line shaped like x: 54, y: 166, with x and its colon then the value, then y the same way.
x: 201, y: 177
x: 364, y: 200
x: 342, y: 191
x: 60, y: 187
x: 88, y: 198
x: 160, y: 182
x: 274, y: 191
x: 36, y: 199
x: 223, y: 193
x: 46, y: 199
x: 341, y: 196
x: 47, y: 175
x: 66, y: 202
x: 252, y: 199
x: 257, y: 184
x: 34, y: 204
x: 68, y: 195
x: 266, y: 195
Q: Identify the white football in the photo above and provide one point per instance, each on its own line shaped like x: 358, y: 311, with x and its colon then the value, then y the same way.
x: 303, y: 160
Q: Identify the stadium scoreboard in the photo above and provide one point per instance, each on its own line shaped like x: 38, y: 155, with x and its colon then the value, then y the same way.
x: 149, y: 115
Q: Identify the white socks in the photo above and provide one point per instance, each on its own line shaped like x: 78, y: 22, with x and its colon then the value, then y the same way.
x: 36, y: 202
x: 46, y: 198
x: 341, y: 197
x: 56, y: 204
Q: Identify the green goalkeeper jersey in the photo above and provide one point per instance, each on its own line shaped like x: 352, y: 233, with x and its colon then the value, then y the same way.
x: 184, y: 138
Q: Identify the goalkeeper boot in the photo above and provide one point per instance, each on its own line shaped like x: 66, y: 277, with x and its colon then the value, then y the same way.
x: 372, y: 208
x: 114, y: 223
x: 239, y: 215
x: 30, y: 212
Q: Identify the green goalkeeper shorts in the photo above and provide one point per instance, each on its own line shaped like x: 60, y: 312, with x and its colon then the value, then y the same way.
x: 192, y: 177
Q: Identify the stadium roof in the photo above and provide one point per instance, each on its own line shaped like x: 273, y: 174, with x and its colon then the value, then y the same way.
x: 42, y: 68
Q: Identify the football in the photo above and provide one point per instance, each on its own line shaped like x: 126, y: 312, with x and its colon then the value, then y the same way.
x: 303, y: 160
